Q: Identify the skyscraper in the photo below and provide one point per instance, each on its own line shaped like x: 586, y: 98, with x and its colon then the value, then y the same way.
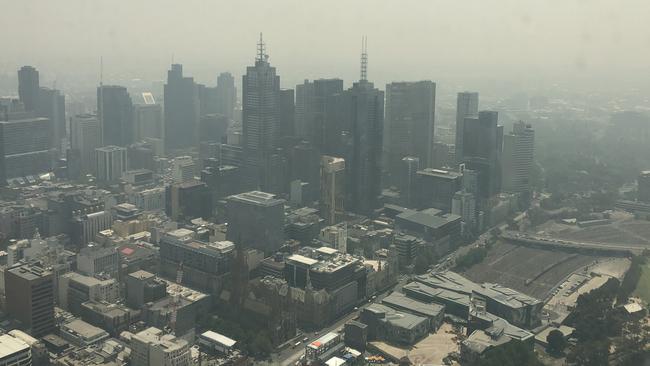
x: 287, y: 113
x: 25, y: 147
x: 28, y: 87
x: 332, y: 189
x: 261, y: 119
x: 226, y: 95
x: 181, y: 110
x: 363, y: 119
x: 51, y: 105
x: 85, y: 137
x: 518, y: 153
x: 408, y: 130
x: 147, y: 118
x: 466, y: 106
x: 32, y: 298
x: 311, y: 108
x: 256, y: 220
x: 115, y: 111
x: 482, y: 143
x: 111, y: 163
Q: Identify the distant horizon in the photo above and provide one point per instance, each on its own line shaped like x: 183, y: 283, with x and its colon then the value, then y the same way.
x: 579, y: 45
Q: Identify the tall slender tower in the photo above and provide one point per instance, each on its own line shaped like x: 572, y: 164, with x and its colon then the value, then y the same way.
x: 116, y: 115
x: 28, y: 86
x: 261, y: 119
x: 410, y: 109
x: 518, y: 153
x: 363, y: 124
x: 466, y: 107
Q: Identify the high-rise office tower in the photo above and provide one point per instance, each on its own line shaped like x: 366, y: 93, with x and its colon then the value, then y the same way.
x: 261, y: 119
x: 466, y: 106
x: 51, y: 105
x: 256, y: 220
x: 226, y: 95
x: 188, y: 200
x: 311, y: 108
x: 182, y: 110
x: 25, y: 147
x: 115, y: 111
x: 332, y: 189
x: 111, y: 162
x: 287, y: 113
x: 363, y: 119
x: 408, y: 128
x: 85, y: 137
x: 30, y: 297
x: 643, y: 183
x: 147, y: 118
x: 482, y: 144
x: 517, y: 161
x: 28, y: 87
x: 305, y: 166
x: 407, y: 182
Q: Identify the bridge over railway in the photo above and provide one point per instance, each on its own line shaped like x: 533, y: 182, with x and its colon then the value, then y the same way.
x: 571, y: 245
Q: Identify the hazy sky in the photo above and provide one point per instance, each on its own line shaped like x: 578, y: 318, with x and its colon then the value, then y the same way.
x: 407, y: 39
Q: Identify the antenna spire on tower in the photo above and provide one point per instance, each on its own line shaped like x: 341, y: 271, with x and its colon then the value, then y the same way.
x: 261, y: 50
x: 364, y: 58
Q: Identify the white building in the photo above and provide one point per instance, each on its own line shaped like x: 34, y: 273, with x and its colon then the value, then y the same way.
x: 518, y: 154
x: 183, y: 169
x: 14, y: 351
x: 95, y: 259
x: 111, y: 163
x: 78, y: 288
x: 152, y: 199
x: 152, y: 347
x: 85, y: 136
x: 336, y: 236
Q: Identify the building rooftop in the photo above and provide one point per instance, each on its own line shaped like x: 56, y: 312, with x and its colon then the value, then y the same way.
x: 428, y: 218
x: 395, y: 317
x: 30, y: 271
x: 256, y: 198
x: 451, y: 296
x: 84, y: 330
x: 155, y: 336
x: 10, y: 345
x: 143, y: 275
x: 219, y: 338
x: 439, y: 173
x: 323, y: 259
x: 401, y: 301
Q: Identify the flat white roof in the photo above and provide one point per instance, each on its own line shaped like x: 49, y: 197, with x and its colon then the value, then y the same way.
x: 326, y: 250
x: 10, y: 345
x: 218, y: 338
x: 335, y: 361
x: 302, y: 259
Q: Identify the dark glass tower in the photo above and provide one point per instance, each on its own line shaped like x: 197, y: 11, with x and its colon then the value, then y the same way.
x: 28, y: 87
x: 181, y: 110
x: 115, y: 115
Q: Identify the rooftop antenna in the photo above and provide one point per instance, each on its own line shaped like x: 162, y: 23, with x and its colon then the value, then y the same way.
x: 261, y: 50
x: 364, y: 58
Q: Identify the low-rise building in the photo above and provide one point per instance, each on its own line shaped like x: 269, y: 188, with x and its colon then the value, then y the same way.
x: 386, y: 323
x: 81, y: 333
x: 152, y: 347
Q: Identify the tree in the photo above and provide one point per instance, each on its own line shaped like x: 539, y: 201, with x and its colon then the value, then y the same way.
x: 556, y: 342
